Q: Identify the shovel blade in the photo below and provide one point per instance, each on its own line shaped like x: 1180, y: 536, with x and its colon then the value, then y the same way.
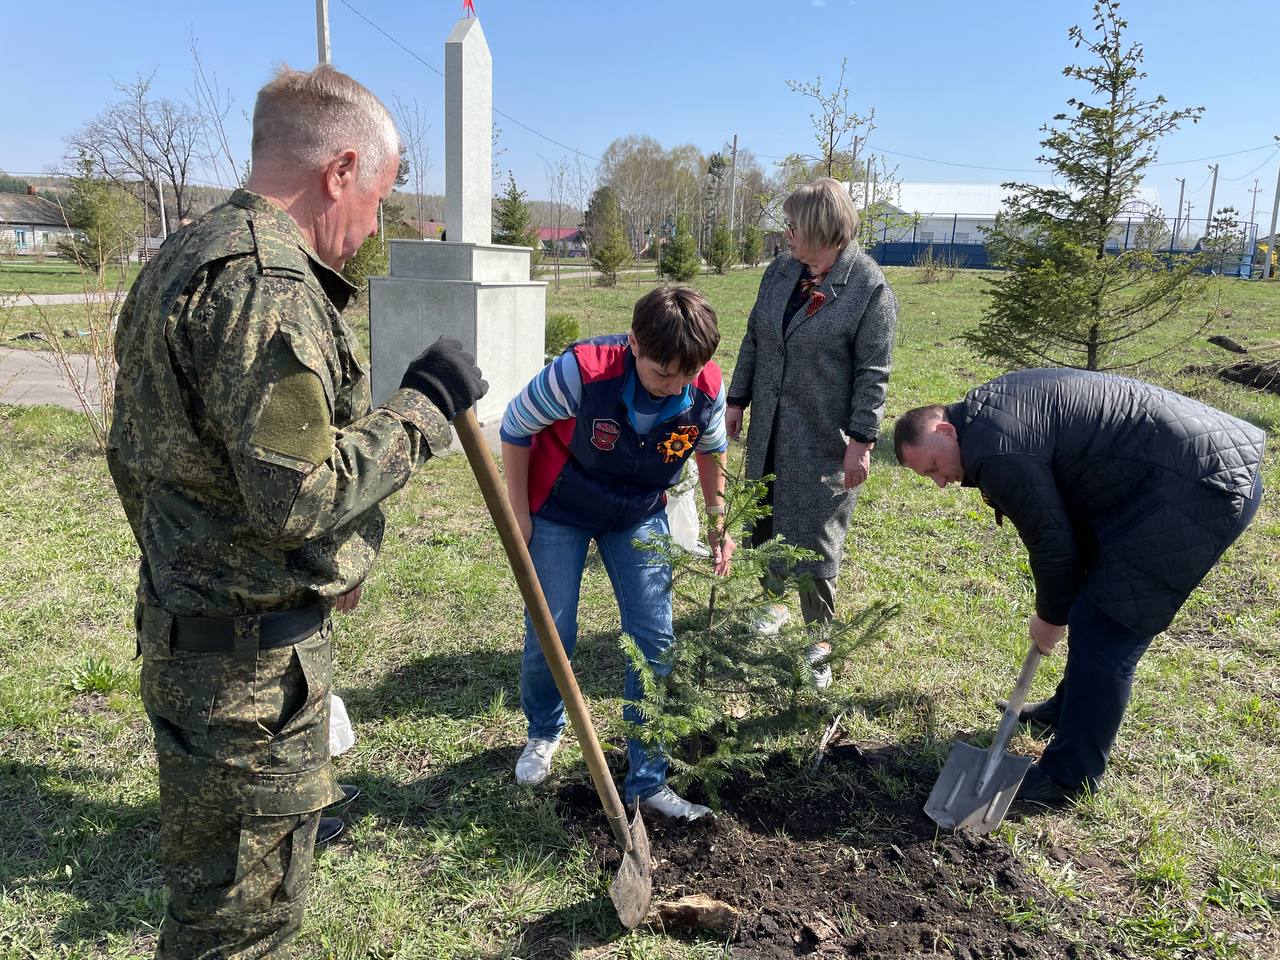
x: 956, y: 802
x: 632, y: 888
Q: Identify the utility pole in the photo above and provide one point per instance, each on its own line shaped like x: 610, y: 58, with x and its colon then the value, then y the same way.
x: 1253, y: 206
x: 1177, y: 217
x: 322, y: 31
x: 164, y: 220
x: 1271, y: 241
x: 1213, y: 190
x: 733, y: 181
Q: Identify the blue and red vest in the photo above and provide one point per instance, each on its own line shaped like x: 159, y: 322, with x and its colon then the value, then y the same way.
x: 593, y: 470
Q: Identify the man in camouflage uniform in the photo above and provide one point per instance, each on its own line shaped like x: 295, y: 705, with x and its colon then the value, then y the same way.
x: 251, y: 467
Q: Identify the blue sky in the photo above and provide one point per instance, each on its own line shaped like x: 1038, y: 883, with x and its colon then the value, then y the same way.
x: 969, y: 83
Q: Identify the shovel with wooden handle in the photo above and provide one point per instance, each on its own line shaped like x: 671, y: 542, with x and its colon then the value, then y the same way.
x: 632, y: 888
x: 976, y: 786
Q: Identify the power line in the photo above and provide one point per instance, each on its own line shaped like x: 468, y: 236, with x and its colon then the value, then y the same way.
x: 978, y: 166
x: 436, y: 70
x: 1265, y: 161
x: 67, y: 176
x: 1216, y: 156
x: 1202, y: 183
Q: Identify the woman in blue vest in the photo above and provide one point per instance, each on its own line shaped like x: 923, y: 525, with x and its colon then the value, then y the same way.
x: 589, y: 448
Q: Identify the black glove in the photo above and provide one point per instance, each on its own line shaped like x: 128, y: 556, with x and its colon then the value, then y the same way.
x: 447, y: 376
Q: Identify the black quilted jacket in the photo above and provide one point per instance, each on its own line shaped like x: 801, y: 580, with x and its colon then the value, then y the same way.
x: 1122, y: 492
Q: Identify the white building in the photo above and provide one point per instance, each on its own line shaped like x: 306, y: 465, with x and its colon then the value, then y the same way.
x: 963, y: 212
x: 29, y: 224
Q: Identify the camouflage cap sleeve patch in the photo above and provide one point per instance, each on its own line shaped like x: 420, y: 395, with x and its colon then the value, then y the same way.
x: 295, y: 421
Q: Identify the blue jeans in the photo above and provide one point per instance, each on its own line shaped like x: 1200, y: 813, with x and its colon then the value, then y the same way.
x: 642, y: 586
x: 1102, y: 656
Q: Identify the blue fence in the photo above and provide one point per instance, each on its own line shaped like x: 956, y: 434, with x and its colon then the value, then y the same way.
x: 1168, y: 238
x: 904, y: 253
x: 974, y: 256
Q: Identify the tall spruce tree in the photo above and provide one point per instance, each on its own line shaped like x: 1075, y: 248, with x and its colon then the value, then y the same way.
x: 721, y: 254
x: 680, y: 260
x: 107, y: 219
x: 610, y: 251
x: 752, y: 245
x: 1066, y: 300
x: 513, y: 223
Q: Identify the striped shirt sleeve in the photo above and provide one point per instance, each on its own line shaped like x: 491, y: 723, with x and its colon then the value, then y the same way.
x: 716, y: 438
x: 554, y: 394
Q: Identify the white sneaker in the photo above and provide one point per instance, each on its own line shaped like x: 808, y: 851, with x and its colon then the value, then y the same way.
x: 819, y: 668
x: 534, y: 764
x: 770, y: 619
x: 670, y: 804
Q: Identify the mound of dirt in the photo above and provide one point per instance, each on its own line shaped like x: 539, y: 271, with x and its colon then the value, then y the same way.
x: 847, y: 864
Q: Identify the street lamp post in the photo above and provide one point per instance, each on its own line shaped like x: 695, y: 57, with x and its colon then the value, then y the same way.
x: 1271, y: 239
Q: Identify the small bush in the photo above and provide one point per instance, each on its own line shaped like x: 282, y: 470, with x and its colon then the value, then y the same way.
x: 934, y: 267
x: 98, y: 675
x: 371, y: 260
x: 562, y: 330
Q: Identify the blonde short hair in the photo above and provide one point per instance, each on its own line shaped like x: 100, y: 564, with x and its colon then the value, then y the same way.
x: 822, y: 212
x: 307, y: 118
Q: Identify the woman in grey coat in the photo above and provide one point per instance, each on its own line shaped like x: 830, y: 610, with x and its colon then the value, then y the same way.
x: 814, y: 367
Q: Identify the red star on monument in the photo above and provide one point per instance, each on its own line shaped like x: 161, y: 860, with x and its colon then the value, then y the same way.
x: 469, y: 8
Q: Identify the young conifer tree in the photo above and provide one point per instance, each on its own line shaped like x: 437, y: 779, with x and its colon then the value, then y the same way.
x: 610, y: 251
x: 513, y: 223
x: 726, y: 697
x: 722, y: 254
x: 1073, y: 295
x: 680, y: 257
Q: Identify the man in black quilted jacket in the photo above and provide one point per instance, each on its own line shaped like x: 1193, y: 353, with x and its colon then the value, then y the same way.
x: 1125, y: 495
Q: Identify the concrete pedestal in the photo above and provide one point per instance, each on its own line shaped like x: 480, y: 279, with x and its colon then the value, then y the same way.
x: 477, y: 293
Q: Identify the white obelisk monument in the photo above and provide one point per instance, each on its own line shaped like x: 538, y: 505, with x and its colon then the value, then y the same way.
x: 465, y: 287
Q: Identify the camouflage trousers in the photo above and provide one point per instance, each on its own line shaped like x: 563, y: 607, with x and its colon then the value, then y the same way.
x: 243, y: 752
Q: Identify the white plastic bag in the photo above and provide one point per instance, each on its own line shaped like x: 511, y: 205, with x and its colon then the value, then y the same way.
x: 682, y: 511
x: 341, y: 735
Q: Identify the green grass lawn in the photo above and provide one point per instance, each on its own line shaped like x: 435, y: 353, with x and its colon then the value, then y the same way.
x: 57, y: 320
x: 59, y: 276
x: 1179, y: 856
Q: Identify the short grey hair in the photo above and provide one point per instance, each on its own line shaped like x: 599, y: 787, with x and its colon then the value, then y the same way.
x: 823, y: 213
x: 308, y: 117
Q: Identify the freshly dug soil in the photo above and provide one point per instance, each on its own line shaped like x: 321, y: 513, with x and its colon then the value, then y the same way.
x: 845, y: 863
x: 1263, y: 376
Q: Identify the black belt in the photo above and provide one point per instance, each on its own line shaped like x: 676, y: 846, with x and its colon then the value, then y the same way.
x: 218, y: 634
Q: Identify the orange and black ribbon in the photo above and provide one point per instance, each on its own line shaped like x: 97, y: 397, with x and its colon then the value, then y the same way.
x: 813, y: 296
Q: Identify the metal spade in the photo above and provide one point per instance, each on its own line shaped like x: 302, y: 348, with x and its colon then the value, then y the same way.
x: 632, y: 887
x: 976, y: 786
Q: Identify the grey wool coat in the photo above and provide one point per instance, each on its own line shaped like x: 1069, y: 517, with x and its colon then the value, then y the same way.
x: 810, y: 389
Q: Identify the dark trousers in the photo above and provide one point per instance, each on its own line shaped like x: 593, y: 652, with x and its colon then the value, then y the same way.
x: 1102, y: 656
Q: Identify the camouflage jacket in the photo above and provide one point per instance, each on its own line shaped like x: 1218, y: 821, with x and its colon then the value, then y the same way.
x: 243, y: 445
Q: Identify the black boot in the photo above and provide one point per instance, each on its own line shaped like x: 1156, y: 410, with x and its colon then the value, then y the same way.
x: 331, y: 828
x: 349, y: 793
x: 1039, y: 790
x: 1042, y: 713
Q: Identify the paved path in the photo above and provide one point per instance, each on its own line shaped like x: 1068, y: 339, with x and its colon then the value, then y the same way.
x: 33, y: 377
x: 51, y: 299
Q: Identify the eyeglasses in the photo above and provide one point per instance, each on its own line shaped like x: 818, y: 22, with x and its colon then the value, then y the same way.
x: 791, y: 227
